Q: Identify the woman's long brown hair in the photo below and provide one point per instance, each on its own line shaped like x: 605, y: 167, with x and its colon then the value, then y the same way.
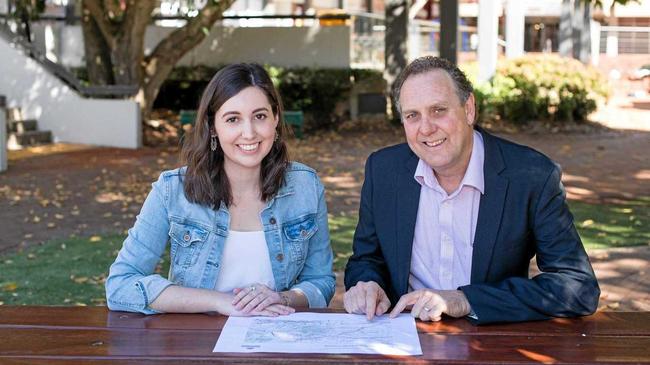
x: 205, y: 180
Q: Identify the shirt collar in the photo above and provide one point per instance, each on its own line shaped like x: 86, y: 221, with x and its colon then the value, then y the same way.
x: 473, y: 176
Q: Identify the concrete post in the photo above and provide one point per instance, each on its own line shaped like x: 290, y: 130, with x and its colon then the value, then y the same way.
x: 413, y: 41
x: 515, y: 24
x: 488, y: 32
x: 3, y: 134
x: 595, y: 42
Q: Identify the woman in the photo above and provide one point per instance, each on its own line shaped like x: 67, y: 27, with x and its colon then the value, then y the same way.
x: 247, y: 229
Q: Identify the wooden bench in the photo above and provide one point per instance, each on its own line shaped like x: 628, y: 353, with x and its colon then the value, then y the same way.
x: 187, y: 116
x: 294, y: 118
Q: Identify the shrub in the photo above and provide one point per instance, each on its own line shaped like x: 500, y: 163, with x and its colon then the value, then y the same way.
x: 321, y: 94
x: 541, y: 87
x: 317, y: 92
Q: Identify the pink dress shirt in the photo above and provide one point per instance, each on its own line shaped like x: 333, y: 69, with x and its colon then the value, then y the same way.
x: 445, y: 226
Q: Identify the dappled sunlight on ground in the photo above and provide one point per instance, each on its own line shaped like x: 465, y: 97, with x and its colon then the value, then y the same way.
x: 48, y: 149
x: 642, y: 175
x: 59, y: 191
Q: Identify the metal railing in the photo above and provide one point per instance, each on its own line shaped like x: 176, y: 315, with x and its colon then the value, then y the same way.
x: 107, y: 91
x: 635, y: 40
x: 367, y: 39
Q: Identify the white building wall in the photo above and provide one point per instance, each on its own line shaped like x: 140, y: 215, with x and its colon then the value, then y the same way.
x: 3, y: 138
x: 60, y: 109
x: 315, y: 46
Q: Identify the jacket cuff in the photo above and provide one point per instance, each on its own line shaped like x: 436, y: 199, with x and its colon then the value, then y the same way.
x: 313, y: 294
x: 150, y: 288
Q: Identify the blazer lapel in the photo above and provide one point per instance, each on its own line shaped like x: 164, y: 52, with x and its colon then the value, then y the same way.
x: 408, y: 200
x: 490, y: 209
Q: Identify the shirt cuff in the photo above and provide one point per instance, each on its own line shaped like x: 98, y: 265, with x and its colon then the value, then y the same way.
x: 472, y: 314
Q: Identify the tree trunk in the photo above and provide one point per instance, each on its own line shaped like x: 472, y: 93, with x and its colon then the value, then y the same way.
x: 114, y: 41
x: 97, y: 51
x: 584, y: 53
x: 159, y: 64
x: 395, y: 49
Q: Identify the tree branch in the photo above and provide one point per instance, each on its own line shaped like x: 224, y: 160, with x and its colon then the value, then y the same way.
x: 175, y: 45
x: 96, y: 13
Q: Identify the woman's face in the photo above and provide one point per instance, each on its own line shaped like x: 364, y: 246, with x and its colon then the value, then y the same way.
x: 245, y: 126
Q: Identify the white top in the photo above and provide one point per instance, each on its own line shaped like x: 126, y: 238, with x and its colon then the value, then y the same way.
x: 244, y: 261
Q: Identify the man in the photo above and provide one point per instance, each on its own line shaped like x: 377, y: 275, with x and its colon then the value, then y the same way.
x: 449, y: 222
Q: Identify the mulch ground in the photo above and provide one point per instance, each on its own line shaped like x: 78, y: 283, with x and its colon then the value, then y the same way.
x: 61, y: 191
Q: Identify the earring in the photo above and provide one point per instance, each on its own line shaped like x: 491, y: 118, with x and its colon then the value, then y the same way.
x: 213, y: 143
x: 277, y: 136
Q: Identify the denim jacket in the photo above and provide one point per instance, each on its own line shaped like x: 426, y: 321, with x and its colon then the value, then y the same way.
x: 294, y: 224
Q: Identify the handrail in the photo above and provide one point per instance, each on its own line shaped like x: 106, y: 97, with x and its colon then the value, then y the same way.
x: 183, y: 17
x: 103, y: 91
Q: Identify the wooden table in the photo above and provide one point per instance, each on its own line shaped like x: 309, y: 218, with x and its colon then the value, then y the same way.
x: 94, y: 335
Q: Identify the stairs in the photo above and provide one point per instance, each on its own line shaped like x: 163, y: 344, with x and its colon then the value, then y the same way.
x: 24, y: 132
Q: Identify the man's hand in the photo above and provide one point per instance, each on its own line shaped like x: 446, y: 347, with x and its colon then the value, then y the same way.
x: 429, y: 304
x: 366, y: 297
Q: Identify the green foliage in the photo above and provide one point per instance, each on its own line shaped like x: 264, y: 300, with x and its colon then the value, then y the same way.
x: 320, y: 93
x: 540, y: 87
x: 316, y: 92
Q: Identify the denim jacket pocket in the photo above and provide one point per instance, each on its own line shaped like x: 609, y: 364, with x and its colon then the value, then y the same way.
x: 297, y: 233
x: 187, y: 241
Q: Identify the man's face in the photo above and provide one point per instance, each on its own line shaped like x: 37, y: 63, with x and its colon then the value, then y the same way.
x: 439, y: 129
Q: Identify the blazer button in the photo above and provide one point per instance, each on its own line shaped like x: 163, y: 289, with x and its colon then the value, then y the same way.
x: 272, y: 220
x: 279, y: 257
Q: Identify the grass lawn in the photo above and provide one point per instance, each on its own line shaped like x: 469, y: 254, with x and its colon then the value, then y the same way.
x: 604, y: 226
x: 72, y: 272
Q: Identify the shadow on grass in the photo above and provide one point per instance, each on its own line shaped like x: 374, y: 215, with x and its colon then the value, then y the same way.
x: 65, y: 272
x: 73, y: 271
x: 613, y: 225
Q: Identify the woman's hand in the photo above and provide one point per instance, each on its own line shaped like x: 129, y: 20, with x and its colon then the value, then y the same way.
x: 257, y: 298
x: 272, y: 310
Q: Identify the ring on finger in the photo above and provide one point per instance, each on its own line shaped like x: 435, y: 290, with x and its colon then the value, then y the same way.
x: 427, y: 309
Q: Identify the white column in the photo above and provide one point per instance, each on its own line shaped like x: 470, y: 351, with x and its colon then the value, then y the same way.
x: 595, y: 42
x: 488, y: 32
x: 413, y: 41
x: 3, y: 136
x: 612, y: 44
x: 515, y: 23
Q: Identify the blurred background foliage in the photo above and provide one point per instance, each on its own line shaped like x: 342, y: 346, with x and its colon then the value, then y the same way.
x: 539, y: 88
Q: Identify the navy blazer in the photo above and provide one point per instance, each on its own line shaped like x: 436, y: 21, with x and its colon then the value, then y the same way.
x: 522, y: 213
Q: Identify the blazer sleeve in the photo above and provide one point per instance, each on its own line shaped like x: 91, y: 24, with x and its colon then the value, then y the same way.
x: 566, y: 287
x: 367, y: 261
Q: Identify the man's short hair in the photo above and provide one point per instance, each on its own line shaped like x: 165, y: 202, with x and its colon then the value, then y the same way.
x: 429, y: 63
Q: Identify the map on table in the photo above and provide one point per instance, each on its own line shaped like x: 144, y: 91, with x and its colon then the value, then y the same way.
x: 320, y: 333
